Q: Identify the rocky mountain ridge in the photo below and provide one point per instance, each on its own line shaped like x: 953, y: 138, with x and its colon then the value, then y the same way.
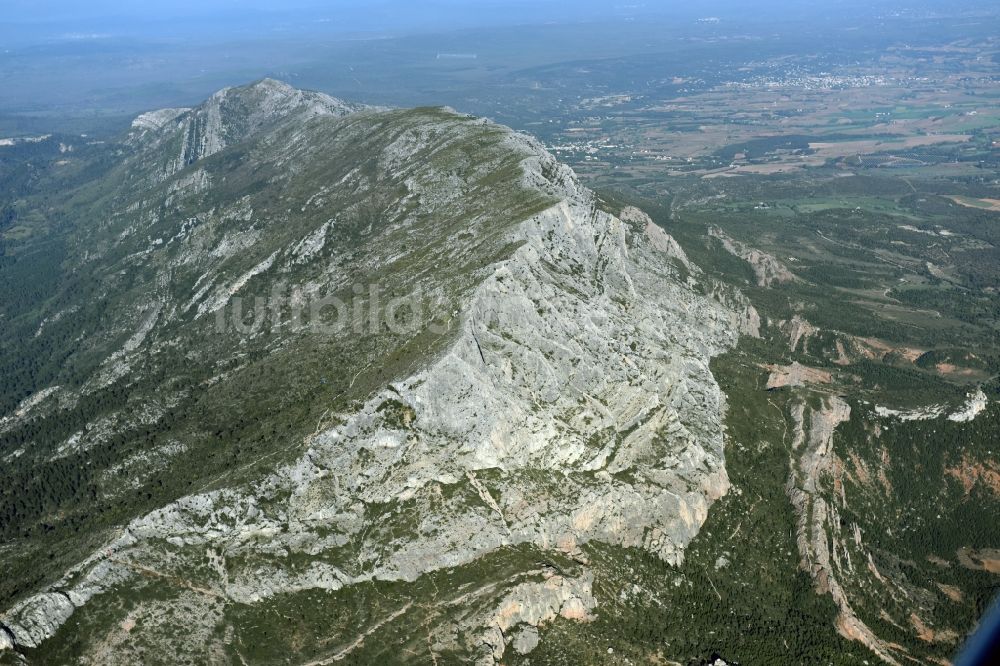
x: 570, y: 402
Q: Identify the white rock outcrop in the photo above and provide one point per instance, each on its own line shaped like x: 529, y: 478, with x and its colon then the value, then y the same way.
x: 973, y: 407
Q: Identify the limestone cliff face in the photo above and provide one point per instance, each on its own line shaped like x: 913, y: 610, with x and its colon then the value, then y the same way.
x: 575, y: 404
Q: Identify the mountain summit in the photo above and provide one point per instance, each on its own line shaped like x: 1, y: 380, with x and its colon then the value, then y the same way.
x: 230, y: 116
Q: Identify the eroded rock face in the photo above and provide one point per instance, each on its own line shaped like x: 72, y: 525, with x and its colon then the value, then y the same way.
x: 526, y: 640
x: 798, y: 329
x: 818, y: 520
x: 38, y: 619
x: 575, y: 404
x: 531, y: 604
x: 766, y: 267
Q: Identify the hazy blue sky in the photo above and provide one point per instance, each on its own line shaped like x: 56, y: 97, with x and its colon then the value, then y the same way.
x: 390, y: 14
x: 31, y: 22
x: 46, y: 10
x: 396, y: 14
x: 24, y: 21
